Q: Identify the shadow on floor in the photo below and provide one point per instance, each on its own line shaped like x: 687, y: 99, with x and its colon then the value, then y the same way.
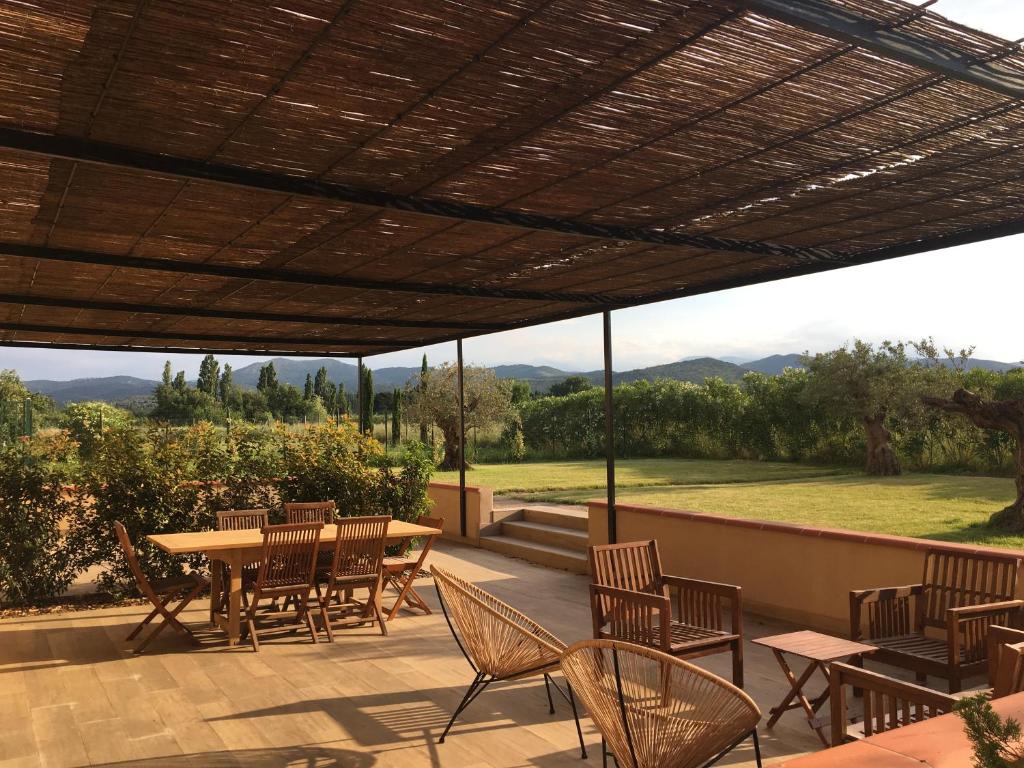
x: 279, y: 757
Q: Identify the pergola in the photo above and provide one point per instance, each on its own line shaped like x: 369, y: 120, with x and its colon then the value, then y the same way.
x: 332, y: 178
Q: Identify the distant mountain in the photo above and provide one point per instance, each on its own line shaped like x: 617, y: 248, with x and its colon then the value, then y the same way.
x: 694, y: 370
x: 774, y: 364
x: 109, y: 388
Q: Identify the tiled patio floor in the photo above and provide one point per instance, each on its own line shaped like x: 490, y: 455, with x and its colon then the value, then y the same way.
x: 72, y: 694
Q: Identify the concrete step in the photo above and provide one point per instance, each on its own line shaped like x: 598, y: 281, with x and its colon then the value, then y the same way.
x: 564, y: 517
x: 542, y: 533
x: 541, y: 554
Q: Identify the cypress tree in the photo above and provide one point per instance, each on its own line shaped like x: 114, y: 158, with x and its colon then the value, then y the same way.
x: 368, y: 400
x: 423, y: 375
x: 396, y: 416
x: 307, y: 391
x: 227, y: 383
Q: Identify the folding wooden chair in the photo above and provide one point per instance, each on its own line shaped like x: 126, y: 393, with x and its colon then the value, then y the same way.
x: 310, y: 512
x: 237, y: 520
x: 287, y: 569
x: 161, y: 593
x: 358, y: 554
x: 400, y: 571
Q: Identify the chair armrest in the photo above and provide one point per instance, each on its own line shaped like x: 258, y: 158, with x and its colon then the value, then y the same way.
x: 697, y: 585
x: 967, y: 627
x: 717, y: 590
x: 985, y: 609
x: 631, y: 615
x: 895, y: 598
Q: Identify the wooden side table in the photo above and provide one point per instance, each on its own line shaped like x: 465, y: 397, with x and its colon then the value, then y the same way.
x: 819, y: 650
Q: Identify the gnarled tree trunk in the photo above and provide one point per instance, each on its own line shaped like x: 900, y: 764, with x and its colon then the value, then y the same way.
x: 881, y: 457
x: 1004, y: 416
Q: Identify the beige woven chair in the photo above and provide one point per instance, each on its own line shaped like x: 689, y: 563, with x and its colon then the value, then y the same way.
x: 499, y: 642
x: 657, y: 711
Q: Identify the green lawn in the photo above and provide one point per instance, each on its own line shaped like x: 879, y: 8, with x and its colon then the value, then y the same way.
x: 945, y: 507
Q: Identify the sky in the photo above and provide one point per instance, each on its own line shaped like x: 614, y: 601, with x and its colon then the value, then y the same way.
x: 962, y: 297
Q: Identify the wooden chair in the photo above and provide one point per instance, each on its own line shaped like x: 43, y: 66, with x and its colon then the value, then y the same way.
x: 1005, y: 660
x: 888, y: 703
x: 287, y: 569
x: 162, y: 593
x: 630, y: 599
x: 499, y: 642
x: 959, y: 597
x: 400, y: 571
x: 356, y: 563
x: 238, y: 520
x: 656, y: 711
x: 310, y: 512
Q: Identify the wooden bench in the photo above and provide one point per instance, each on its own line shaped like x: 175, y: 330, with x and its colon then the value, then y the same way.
x: 631, y: 600
x: 939, y: 627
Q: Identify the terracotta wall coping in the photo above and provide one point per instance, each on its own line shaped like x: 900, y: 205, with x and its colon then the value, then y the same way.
x: 880, y: 539
x: 455, y: 487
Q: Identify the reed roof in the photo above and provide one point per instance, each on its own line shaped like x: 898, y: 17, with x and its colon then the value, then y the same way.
x: 329, y: 177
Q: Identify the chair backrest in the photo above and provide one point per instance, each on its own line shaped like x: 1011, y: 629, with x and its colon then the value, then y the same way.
x: 888, y: 703
x: 289, y: 555
x: 495, y: 638
x: 359, y: 549
x: 310, y: 512
x: 133, y: 562
x: 654, y: 709
x: 242, y: 519
x: 955, y: 579
x: 1005, y: 660
x: 634, y: 565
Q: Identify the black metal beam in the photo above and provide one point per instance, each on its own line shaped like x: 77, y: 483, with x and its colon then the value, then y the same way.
x: 609, y: 428
x: 111, y: 155
x: 291, y: 276
x: 232, y: 314
x: 462, y: 438
x: 840, y: 23
x: 163, y: 350
x: 139, y: 333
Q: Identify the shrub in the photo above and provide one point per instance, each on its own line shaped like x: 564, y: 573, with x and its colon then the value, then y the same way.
x: 85, y: 422
x: 35, y: 556
x: 997, y: 743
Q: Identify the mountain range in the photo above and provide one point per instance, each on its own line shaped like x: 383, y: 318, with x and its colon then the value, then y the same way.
x: 117, y: 389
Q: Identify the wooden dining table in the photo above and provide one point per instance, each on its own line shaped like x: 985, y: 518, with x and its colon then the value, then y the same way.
x: 236, y: 548
x: 940, y: 742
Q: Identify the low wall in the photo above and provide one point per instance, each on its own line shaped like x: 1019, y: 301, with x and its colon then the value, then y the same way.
x: 792, y: 572
x: 479, y: 509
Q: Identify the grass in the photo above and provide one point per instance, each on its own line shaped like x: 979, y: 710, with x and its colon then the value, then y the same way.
x: 943, y: 507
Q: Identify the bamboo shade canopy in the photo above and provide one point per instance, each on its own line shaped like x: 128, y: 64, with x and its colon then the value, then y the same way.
x: 333, y: 177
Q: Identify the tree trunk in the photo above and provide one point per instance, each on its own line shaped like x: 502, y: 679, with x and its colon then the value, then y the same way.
x: 451, y: 446
x: 881, y: 457
x: 1003, y: 416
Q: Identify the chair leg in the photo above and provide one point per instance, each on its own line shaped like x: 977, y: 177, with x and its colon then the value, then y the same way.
x: 576, y: 717
x: 475, y: 688
x: 171, y: 618
x: 322, y: 604
x: 378, y: 611
x: 547, y: 689
x: 757, y: 747
x: 152, y: 615
x: 737, y: 663
x: 250, y: 622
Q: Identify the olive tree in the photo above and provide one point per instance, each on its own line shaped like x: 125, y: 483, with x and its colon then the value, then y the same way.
x: 431, y: 397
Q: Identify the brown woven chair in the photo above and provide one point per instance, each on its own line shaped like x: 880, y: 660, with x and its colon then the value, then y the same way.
x: 356, y: 563
x: 656, y: 711
x: 310, y: 512
x: 162, y: 593
x: 888, y: 703
x: 238, y: 520
x: 499, y: 642
x: 401, y: 570
x: 287, y: 569
x: 630, y: 600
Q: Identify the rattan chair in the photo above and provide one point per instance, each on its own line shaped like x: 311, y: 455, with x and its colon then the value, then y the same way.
x: 310, y: 512
x: 657, y: 711
x: 237, y: 520
x: 162, y: 593
x: 356, y: 563
x: 287, y: 569
x: 499, y: 642
x: 400, y: 571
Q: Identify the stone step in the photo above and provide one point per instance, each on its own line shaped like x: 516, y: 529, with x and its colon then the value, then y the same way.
x: 541, y: 554
x: 564, y: 517
x: 542, y: 533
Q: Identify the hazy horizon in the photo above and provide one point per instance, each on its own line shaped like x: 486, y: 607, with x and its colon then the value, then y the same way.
x: 966, y: 296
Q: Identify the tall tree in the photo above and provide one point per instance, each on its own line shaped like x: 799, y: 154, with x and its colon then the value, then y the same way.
x: 307, y: 391
x: 227, y: 384
x: 434, y: 399
x: 570, y: 385
x: 268, y: 378
x: 209, y: 375
x: 424, y: 425
x: 168, y: 375
x: 179, y: 382
x: 396, y: 416
x: 341, y: 399
x: 368, y: 400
